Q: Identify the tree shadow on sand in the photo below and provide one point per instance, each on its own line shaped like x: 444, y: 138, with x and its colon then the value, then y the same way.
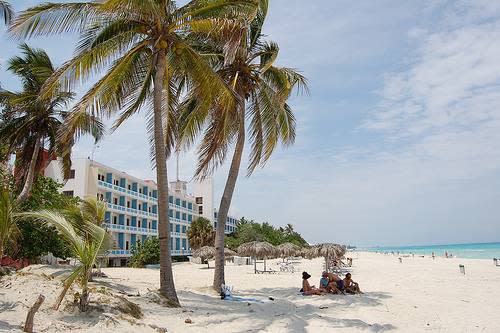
x: 286, y: 311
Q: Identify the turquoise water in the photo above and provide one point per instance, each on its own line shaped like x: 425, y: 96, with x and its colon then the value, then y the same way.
x: 472, y: 251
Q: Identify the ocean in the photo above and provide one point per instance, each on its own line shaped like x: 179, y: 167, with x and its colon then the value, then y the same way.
x: 471, y: 251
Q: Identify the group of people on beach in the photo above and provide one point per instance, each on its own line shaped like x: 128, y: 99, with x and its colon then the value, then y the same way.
x: 330, y: 283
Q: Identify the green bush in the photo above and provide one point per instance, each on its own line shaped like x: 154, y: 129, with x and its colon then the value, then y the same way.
x: 145, y: 254
x: 37, y: 239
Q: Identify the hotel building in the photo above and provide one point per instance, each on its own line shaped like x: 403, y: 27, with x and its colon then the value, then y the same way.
x: 132, y: 205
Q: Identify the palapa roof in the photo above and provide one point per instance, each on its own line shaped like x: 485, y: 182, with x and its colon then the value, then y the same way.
x: 205, y: 252
x: 208, y: 252
x: 257, y: 249
x: 288, y: 249
x: 329, y: 250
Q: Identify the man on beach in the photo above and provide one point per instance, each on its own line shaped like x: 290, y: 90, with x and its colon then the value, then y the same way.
x: 350, y: 286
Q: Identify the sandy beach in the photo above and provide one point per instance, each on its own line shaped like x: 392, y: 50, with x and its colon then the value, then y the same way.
x: 418, y: 295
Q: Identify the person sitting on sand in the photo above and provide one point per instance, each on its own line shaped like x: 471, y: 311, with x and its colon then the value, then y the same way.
x: 336, y: 284
x: 350, y: 286
x: 324, y: 283
x: 307, y: 289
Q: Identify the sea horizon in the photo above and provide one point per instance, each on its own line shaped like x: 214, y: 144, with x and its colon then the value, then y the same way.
x: 487, y: 250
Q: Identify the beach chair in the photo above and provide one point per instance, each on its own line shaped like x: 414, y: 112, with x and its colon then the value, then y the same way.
x: 495, y: 261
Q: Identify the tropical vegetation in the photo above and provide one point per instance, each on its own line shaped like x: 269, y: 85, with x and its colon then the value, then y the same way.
x: 262, y: 89
x: 249, y: 231
x: 145, y: 253
x: 31, y: 122
x: 5, y: 11
x: 80, y: 228
x: 201, y: 233
x: 146, y: 48
x: 9, y: 231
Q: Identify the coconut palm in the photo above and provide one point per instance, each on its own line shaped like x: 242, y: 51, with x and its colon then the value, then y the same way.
x: 9, y: 231
x: 146, y: 48
x: 201, y: 233
x: 80, y: 229
x: 31, y: 122
x: 6, y: 11
x: 263, y: 90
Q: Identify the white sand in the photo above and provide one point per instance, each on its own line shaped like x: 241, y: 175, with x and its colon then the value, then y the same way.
x: 419, y: 295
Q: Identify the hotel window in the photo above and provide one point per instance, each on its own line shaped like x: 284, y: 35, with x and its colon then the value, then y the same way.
x: 140, y: 207
x: 71, y: 174
x: 68, y: 193
x: 183, y: 229
x: 190, y: 205
x: 184, y: 217
x: 200, y: 210
x: 178, y: 215
x: 129, y: 187
x: 149, y: 224
x: 149, y: 209
x: 199, y: 200
x: 170, y: 199
x: 128, y: 221
x: 114, y: 219
x: 128, y: 204
x: 115, y: 201
x: 177, y: 201
x: 140, y: 190
x: 184, y: 203
x: 117, y: 183
x: 178, y: 228
x: 190, y: 217
x: 126, y: 245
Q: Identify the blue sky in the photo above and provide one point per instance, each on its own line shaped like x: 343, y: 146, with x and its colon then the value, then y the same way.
x: 398, y: 141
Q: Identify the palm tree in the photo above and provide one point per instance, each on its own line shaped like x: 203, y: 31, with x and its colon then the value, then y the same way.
x: 80, y: 229
x: 6, y: 11
x: 289, y: 229
x: 201, y: 233
x: 263, y: 90
x: 147, y: 47
x: 31, y: 122
x: 9, y: 231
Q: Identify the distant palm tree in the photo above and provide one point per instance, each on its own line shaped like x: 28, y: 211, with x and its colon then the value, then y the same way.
x: 80, y: 229
x: 6, y: 11
x: 9, y: 231
x: 263, y: 90
x: 147, y: 49
x: 32, y: 122
x: 201, y: 233
x: 289, y: 229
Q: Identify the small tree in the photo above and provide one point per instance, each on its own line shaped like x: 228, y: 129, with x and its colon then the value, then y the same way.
x: 9, y: 231
x: 201, y: 233
x: 147, y: 253
x: 86, y: 239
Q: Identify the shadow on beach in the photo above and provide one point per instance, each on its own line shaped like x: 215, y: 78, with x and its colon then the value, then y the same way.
x: 287, y: 310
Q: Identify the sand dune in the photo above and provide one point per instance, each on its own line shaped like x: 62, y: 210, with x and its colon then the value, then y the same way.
x: 419, y: 295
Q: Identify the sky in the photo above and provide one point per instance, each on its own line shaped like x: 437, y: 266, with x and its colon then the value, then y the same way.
x: 398, y: 142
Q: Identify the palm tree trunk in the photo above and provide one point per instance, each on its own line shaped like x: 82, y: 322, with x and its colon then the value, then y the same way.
x: 30, y: 177
x: 167, y: 287
x: 225, y: 202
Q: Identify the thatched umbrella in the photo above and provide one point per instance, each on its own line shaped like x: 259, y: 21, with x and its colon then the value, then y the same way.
x: 205, y: 253
x: 208, y: 252
x: 326, y: 250
x: 287, y: 250
x: 262, y: 250
x: 228, y: 253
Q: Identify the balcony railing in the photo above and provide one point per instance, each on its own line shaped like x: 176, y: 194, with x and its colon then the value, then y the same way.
x: 127, y: 191
x: 131, y: 210
x: 132, y: 229
x: 129, y: 253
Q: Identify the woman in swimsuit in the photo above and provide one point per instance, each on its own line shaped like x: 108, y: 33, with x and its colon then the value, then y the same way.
x: 307, y: 289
